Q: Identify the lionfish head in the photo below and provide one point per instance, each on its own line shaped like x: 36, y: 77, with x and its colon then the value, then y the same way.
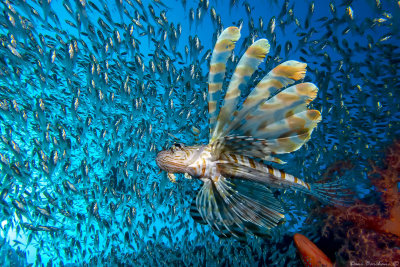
x: 176, y: 159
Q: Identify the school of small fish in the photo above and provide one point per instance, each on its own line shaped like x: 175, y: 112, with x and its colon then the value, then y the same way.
x: 235, y: 198
x: 91, y: 91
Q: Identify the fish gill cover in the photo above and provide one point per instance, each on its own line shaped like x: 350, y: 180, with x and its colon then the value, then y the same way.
x: 92, y: 90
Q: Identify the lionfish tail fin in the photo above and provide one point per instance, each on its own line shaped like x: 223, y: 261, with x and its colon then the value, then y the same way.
x: 332, y: 193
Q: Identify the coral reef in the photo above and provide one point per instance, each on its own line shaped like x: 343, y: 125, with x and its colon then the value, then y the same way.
x: 370, y: 233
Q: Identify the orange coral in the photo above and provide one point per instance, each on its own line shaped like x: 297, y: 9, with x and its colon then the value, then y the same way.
x: 310, y: 254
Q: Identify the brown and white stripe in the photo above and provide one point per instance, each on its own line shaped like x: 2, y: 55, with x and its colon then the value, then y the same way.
x: 247, y: 65
x: 222, y: 50
x: 281, y: 76
x: 287, y: 180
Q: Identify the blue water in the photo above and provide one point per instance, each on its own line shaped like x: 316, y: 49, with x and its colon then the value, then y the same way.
x: 82, y: 107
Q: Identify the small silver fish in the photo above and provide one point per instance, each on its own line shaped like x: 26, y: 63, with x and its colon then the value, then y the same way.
x: 230, y: 165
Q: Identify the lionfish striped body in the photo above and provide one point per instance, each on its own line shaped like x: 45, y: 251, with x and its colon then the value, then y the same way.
x: 235, y: 198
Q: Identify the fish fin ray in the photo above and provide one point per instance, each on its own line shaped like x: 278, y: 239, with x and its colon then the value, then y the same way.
x: 255, y: 175
x: 282, y: 124
x: 222, y: 50
x: 247, y: 65
x: 195, y: 214
x: 236, y: 207
x: 283, y: 75
x: 332, y: 193
x: 249, y: 147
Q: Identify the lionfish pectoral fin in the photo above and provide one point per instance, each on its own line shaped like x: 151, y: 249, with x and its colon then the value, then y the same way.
x: 195, y: 214
x: 236, y: 207
x: 220, y: 232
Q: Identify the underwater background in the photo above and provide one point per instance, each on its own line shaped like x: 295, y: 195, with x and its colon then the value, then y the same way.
x: 90, y: 91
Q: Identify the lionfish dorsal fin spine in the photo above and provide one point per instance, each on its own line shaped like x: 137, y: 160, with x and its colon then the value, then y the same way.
x: 247, y: 65
x: 222, y: 50
x: 281, y: 76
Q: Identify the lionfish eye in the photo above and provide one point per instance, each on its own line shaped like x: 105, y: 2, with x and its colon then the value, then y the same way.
x: 176, y: 146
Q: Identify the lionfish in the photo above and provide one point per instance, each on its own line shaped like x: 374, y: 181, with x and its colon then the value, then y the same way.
x: 235, y: 197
